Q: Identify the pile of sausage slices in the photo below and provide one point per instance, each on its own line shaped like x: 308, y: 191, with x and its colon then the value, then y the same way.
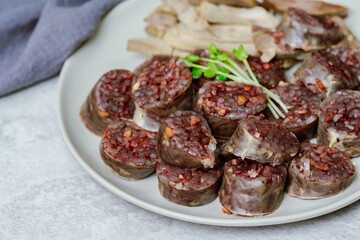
x: 206, y: 138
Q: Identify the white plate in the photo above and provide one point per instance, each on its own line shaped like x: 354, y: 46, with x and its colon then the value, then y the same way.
x: 107, y: 50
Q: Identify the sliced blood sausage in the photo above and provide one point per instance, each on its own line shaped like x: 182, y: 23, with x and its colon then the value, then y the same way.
x: 186, y: 187
x: 262, y: 140
x: 339, y: 122
x: 185, y: 140
x: 319, y: 171
x: 109, y: 100
x: 252, y: 188
x: 147, y: 63
x: 269, y: 74
x: 327, y: 71
x: 223, y: 104
x: 129, y: 150
x: 350, y: 57
x: 303, y: 109
x: 160, y: 89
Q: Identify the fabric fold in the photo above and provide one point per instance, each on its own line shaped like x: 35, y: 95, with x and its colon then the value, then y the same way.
x: 36, y: 38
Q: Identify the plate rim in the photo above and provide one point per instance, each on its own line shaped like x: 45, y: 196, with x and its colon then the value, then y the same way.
x: 234, y: 222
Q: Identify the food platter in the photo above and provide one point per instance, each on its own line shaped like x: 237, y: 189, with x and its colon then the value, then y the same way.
x: 107, y: 50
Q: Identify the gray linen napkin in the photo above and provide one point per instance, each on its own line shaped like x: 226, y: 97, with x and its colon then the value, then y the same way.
x: 36, y: 36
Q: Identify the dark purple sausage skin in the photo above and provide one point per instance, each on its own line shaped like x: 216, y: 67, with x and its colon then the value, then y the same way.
x: 185, y: 140
x: 108, y: 101
x: 319, y: 171
x: 263, y: 141
x: 339, y: 122
x: 223, y: 104
x: 186, y: 187
x: 324, y: 72
x: 129, y: 150
x: 303, y: 109
x: 252, y: 188
x: 223, y: 156
x: 160, y: 89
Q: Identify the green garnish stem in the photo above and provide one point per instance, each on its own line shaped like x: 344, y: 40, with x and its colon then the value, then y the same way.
x: 231, y: 69
x: 237, y: 73
x: 236, y: 66
x: 250, y: 70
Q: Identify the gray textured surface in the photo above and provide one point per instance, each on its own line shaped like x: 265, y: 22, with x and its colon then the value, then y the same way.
x: 46, y: 194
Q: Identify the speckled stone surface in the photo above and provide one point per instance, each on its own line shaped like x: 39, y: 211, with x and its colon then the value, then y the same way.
x: 46, y: 194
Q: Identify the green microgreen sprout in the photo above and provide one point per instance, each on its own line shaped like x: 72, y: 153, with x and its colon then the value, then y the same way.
x: 222, y: 67
x: 211, y: 71
x: 193, y: 58
x: 213, y: 48
x: 196, y: 73
x: 221, y: 77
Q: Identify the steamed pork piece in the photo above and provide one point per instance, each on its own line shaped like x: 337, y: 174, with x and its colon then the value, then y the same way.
x: 150, y: 46
x: 185, y: 43
x: 109, y: 100
x: 223, y: 33
x: 235, y: 3
x: 251, y: 188
x: 262, y: 140
x: 314, y: 7
x: 303, y: 109
x: 188, y: 15
x: 188, y: 187
x: 329, y: 70
x: 307, y: 32
x: 269, y: 48
x: 349, y: 39
x: 223, y: 104
x: 246, y: 16
x: 319, y: 171
x: 129, y: 150
x: 185, y: 140
x: 159, y: 90
x: 339, y: 122
x: 158, y: 22
x: 298, y: 32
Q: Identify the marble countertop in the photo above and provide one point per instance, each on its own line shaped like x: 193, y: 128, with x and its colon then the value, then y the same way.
x: 46, y: 194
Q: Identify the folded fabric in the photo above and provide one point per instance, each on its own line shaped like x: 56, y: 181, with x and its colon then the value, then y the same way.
x: 37, y: 36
